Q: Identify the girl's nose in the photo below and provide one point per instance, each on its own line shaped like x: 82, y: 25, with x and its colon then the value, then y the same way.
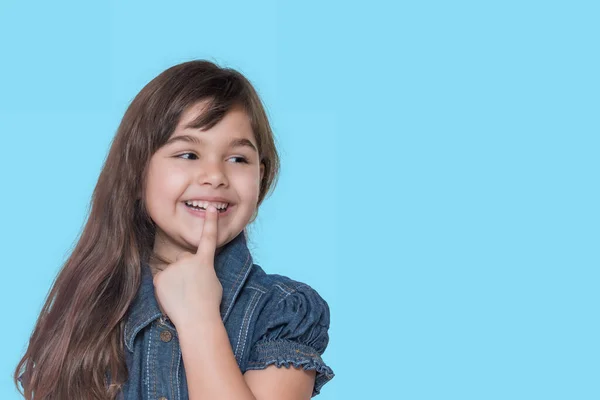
x: 212, y: 173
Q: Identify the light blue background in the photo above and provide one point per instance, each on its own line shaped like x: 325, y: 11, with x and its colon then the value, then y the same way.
x: 439, y: 185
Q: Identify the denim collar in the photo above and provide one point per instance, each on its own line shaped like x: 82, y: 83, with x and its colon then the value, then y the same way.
x: 232, y: 266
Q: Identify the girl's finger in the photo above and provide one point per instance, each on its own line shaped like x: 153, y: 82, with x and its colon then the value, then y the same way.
x: 208, y: 241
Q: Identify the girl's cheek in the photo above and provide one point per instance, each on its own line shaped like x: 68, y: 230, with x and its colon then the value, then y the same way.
x: 175, y: 177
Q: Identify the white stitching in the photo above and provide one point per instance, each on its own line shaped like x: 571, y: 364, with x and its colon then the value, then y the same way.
x: 255, y: 288
x: 237, y: 346
x: 288, y: 292
x: 292, y: 292
x: 148, y: 362
x: 248, y: 270
x: 245, y: 324
x: 138, y: 329
x: 177, y: 373
x: 246, y: 334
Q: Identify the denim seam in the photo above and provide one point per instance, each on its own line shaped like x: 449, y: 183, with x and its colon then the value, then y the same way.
x: 286, y: 345
x: 290, y: 293
x: 272, y: 358
x: 255, y: 288
x: 280, y: 296
x: 288, y: 342
x: 248, y: 323
x: 237, y: 278
x: 287, y: 292
x: 136, y: 329
x: 245, y: 323
x: 290, y: 288
x: 283, y: 297
x: 308, y: 354
x: 171, y: 369
x: 235, y: 284
x: 148, y: 362
x: 177, y: 373
x: 154, y: 368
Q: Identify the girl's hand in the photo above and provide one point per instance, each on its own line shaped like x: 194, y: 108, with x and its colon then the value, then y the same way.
x: 189, y: 289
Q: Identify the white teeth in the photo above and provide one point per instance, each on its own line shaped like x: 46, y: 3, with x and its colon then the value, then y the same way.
x: 204, y: 204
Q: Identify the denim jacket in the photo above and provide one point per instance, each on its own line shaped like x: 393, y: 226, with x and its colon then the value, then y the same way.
x: 270, y: 319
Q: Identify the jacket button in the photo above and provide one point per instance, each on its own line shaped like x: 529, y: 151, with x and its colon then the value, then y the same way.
x: 165, y: 336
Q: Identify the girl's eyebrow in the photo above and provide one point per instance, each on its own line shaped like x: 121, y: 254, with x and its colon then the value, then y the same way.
x: 235, y: 142
x: 242, y: 142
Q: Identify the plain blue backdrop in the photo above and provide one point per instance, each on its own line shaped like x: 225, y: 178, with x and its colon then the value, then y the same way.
x: 439, y: 185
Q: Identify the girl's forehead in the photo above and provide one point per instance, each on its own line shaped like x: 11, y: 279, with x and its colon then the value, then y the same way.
x: 194, y: 111
x: 235, y: 124
x: 192, y: 115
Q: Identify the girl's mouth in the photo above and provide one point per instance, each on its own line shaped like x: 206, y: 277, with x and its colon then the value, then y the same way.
x: 198, y: 208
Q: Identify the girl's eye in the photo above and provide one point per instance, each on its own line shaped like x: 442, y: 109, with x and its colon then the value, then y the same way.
x: 191, y: 156
x: 240, y: 160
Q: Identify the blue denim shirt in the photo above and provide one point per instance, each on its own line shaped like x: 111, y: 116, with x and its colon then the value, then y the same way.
x: 270, y: 319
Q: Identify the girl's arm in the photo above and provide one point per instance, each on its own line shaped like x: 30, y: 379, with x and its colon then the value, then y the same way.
x: 190, y: 293
x: 212, y: 371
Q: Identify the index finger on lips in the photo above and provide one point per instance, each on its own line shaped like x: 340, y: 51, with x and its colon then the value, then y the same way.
x: 208, y: 241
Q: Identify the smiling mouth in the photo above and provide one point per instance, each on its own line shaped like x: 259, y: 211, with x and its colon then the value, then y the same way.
x: 202, y: 205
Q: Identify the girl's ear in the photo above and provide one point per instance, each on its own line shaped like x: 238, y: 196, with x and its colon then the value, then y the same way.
x: 262, y: 171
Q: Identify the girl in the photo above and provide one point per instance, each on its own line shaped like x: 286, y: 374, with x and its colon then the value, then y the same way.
x: 160, y: 298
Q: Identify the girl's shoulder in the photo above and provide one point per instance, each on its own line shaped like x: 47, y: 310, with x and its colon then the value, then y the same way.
x: 289, y: 321
x: 278, y: 288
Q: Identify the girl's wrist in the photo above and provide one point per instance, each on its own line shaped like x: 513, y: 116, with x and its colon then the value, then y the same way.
x: 202, y: 320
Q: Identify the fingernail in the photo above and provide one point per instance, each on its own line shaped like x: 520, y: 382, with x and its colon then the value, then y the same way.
x: 211, y: 208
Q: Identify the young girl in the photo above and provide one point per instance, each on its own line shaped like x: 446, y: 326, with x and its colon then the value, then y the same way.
x: 160, y: 298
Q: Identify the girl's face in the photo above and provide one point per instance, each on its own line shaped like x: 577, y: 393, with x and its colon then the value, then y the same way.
x: 219, y: 166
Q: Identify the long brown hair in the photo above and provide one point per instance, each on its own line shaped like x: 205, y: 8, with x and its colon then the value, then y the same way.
x: 78, y: 335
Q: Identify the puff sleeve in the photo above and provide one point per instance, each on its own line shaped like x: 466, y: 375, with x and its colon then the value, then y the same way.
x: 293, y: 330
